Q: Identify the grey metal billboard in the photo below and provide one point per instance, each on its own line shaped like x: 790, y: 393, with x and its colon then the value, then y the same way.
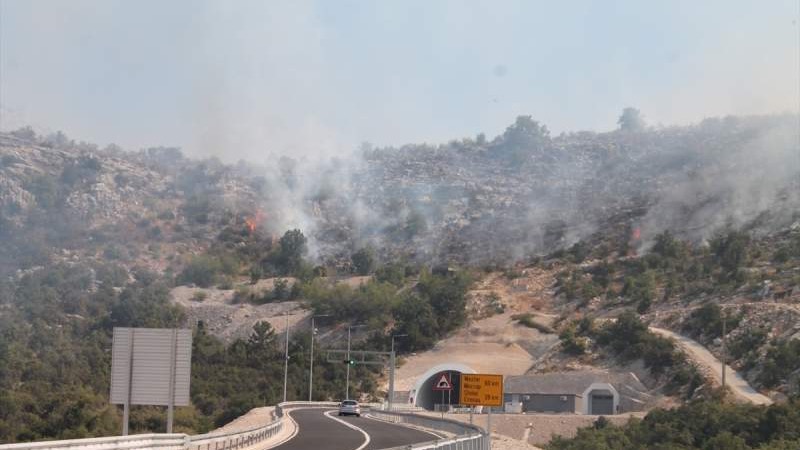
x: 147, y: 363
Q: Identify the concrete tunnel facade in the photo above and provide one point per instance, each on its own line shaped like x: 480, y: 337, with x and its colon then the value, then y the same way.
x: 422, y: 394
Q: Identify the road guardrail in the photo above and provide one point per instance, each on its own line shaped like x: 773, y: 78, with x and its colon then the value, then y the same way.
x: 463, y: 436
x: 135, y: 441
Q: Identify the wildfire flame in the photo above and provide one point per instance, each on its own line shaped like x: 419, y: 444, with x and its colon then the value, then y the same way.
x: 251, y: 223
x: 636, y: 239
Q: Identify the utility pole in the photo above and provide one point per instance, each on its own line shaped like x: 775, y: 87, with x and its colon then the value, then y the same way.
x: 347, y: 379
x: 724, y: 355
x: 392, y: 363
x: 311, y: 362
x: 286, y: 359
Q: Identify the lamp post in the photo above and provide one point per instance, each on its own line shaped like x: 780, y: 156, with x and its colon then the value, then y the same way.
x: 311, y: 363
x: 347, y: 379
x: 724, y: 350
x: 391, y: 371
x: 286, y: 359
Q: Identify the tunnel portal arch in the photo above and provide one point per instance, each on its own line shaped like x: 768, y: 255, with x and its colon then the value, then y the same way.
x: 423, y: 395
x: 600, y: 398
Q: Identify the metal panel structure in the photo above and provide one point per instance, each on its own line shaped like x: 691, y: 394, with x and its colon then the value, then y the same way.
x: 602, y: 402
x: 548, y: 403
x: 147, y: 362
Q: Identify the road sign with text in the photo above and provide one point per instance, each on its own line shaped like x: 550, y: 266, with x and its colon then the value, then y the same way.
x: 481, y: 390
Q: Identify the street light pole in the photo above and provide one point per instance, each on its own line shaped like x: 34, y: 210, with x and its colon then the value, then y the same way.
x: 286, y: 359
x: 311, y: 362
x: 391, y: 371
x: 347, y: 379
x: 724, y: 350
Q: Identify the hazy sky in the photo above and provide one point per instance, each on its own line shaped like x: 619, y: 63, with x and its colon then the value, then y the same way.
x: 249, y: 78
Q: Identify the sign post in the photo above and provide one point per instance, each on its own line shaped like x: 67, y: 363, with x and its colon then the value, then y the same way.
x: 482, y: 390
x: 150, y: 366
x: 443, y: 383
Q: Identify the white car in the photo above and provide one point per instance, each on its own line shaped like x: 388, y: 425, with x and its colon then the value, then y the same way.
x: 349, y: 408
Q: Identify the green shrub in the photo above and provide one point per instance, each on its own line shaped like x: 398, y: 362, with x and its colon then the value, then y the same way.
x: 364, y: 261
x: 571, y: 343
x: 495, y: 304
x: 394, y: 273
x: 280, y: 290
x: 629, y: 338
x: 747, y: 342
x: 703, y: 425
x: 206, y: 271
x: 781, y: 360
x: 730, y: 249
x: 640, y: 289
x: 527, y: 320
x: 243, y: 294
x: 166, y: 215
x: 706, y: 321
x: 225, y: 283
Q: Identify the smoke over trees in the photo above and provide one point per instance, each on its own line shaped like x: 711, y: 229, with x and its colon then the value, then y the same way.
x: 471, y: 201
x: 631, y: 119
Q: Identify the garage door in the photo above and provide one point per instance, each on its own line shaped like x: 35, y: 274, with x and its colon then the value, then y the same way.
x: 602, y: 404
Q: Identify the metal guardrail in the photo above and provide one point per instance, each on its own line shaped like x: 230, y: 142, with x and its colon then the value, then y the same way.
x: 235, y: 439
x: 464, y: 436
x: 289, y: 405
x: 231, y: 440
x: 136, y: 441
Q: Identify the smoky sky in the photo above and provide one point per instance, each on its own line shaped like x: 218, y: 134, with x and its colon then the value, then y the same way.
x: 252, y: 79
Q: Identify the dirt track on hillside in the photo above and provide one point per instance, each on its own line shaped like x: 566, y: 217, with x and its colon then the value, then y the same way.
x: 713, y: 367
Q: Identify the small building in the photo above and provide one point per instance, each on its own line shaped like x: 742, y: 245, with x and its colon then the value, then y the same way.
x: 580, y: 392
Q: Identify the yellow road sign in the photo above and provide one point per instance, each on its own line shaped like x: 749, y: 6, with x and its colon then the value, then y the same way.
x: 481, y: 390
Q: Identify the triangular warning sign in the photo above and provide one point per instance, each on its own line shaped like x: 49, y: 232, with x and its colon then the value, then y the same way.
x: 443, y: 382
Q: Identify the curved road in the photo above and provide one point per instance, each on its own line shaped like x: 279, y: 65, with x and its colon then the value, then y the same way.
x: 320, y: 428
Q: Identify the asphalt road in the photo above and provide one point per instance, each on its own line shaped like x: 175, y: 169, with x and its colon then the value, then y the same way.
x: 316, y: 431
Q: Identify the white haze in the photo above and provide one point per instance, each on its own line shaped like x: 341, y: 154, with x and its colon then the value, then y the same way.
x: 252, y: 79
x: 311, y: 80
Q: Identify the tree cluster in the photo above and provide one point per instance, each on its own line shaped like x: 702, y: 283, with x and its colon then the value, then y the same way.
x: 55, y: 359
x: 702, y: 425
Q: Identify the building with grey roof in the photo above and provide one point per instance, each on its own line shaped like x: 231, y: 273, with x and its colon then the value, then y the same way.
x: 578, y: 392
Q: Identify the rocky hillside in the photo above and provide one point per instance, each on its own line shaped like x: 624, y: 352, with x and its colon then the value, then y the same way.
x: 73, y: 201
x: 737, y: 294
x: 473, y: 201
x: 526, y: 239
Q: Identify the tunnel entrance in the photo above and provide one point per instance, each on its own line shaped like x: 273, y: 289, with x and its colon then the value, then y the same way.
x: 425, y: 396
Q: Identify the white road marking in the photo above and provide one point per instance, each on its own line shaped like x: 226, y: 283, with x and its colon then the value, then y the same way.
x: 288, y: 438
x: 348, y: 424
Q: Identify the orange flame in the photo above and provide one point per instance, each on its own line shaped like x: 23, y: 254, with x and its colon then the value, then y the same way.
x: 636, y: 238
x: 254, y: 222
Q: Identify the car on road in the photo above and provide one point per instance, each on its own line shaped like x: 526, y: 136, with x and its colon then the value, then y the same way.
x: 349, y: 408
